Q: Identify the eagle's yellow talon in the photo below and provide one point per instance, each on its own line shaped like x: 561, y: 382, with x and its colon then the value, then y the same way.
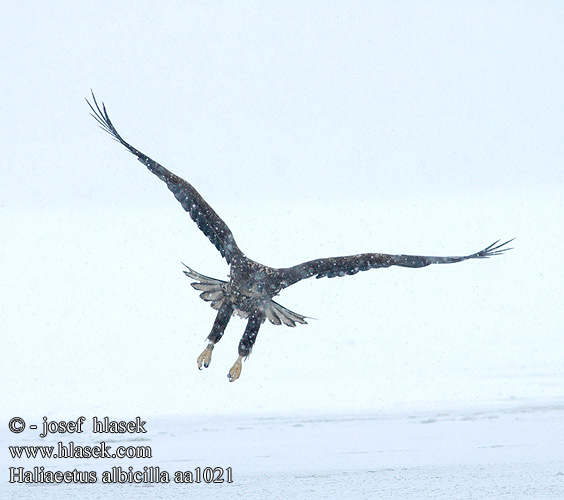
x: 235, y: 371
x: 204, y: 359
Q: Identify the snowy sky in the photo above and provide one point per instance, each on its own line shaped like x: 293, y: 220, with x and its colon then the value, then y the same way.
x: 314, y: 129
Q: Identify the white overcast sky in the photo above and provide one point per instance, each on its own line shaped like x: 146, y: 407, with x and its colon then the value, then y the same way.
x: 408, y: 127
x: 353, y: 99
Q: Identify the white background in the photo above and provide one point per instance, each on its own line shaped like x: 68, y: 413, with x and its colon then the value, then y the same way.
x: 314, y: 130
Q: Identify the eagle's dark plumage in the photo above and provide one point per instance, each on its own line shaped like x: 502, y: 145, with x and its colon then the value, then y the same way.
x: 251, y: 285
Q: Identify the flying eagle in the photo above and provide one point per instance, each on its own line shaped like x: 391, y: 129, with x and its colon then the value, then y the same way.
x: 252, y: 286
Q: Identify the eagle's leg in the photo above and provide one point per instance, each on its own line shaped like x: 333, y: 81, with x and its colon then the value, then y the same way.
x: 223, y: 316
x: 245, y: 346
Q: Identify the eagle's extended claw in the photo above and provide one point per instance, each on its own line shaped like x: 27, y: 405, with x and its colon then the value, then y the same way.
x: 235, y: 371
x: 205, y: 358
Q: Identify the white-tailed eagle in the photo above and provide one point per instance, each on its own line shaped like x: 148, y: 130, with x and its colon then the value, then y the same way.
x: 252, y: 286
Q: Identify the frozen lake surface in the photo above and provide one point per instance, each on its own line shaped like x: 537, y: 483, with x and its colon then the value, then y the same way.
x: 509, y: 450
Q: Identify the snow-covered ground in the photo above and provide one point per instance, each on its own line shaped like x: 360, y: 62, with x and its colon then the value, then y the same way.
x: 510, y: 450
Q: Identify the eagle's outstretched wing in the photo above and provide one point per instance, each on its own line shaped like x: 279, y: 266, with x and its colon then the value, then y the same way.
x: 202, y: 214
x: 343, y: 266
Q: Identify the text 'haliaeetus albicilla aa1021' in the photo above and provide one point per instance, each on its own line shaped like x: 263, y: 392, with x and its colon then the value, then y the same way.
x: 251, y: 285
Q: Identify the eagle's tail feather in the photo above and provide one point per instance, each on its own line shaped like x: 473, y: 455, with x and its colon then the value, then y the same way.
x: 213, y: 290
x: 278, y: 314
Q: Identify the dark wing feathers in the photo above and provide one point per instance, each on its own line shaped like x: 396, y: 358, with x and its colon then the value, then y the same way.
x: 344, y: 266
x: 220, y: 235
x: 201, y: 213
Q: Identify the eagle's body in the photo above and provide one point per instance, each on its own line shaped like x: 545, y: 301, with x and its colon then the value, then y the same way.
x: 251, y: 287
